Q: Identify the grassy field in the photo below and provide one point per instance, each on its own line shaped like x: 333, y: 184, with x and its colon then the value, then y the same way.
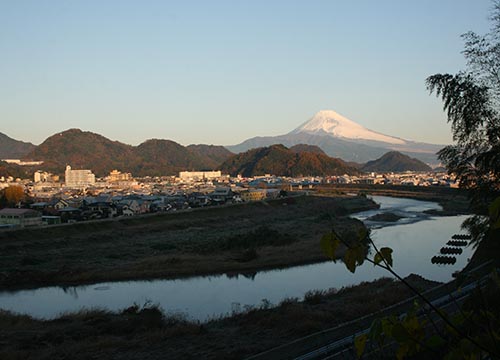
x: 147, y: 333
x: 239, y: 238
x: 242, y: 238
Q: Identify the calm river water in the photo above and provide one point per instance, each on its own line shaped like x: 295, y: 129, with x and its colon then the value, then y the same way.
x: 414, y: 239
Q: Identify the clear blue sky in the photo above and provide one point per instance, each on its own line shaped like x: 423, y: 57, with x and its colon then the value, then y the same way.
x: 219, y: 72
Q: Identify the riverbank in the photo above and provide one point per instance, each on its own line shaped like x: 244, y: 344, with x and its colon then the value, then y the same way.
x: 235, y: 239
x: 453, y: 201
x: 147, y: 333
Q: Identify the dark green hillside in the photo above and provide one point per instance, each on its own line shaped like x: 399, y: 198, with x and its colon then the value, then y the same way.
x: 13, y: 149
x: 300, y: 148
x: 279, y: 160
x: 165, y: 157
x: 15, y: 171
x: 212, y: 155
x: 394, y: 161
x: 83, y: 150
x: 87, y: 150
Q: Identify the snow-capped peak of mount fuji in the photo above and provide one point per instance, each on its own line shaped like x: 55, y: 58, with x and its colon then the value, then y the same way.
x: 329, y: 122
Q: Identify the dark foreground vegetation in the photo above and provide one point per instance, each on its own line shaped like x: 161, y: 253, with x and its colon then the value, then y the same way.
x: 145, y: 332
x: 239, y: 238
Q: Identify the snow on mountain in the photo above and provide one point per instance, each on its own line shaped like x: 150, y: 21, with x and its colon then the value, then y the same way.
x: 328, y: 122
x: 340, y: 137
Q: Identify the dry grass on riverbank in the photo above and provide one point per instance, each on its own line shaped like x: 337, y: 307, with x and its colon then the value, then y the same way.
x: 146, y: 333
x: 241, y: 238
x: 454, y: 201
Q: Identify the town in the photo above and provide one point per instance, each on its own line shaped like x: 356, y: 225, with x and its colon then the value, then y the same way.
x: 47, y: 199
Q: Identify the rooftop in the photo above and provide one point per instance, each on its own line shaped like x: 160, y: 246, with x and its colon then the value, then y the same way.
x: 15, y: 211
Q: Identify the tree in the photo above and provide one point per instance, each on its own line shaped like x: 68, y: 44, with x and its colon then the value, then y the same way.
x: 471, y: 100
x: 13, y: 195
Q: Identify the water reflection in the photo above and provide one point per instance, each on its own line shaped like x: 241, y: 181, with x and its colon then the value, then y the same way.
x: 409, y: 211
x: 414, y: 243
x: 71, y: 290
x: 248, y: 274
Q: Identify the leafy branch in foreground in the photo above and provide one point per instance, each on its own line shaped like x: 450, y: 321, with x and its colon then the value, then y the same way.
x: 471, y: 100
x: 408, y: 331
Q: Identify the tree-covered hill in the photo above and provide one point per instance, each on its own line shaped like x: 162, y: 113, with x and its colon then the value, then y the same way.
x: 87, y: 150
x: 279, y: 160
x: 394, y: 161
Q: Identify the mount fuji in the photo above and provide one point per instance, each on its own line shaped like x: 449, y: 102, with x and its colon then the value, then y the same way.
x: 341, y: 137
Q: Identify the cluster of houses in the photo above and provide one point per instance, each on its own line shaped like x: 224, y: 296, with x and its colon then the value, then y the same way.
x: 82, y: 197
x: 104, y: 206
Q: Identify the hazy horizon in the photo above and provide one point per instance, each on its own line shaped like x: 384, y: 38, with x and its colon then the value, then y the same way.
x: 222, y: 72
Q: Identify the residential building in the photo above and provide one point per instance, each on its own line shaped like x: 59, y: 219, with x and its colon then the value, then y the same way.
x: 78, y: 178
x: 199, y: 175
x: 23, y: 163
x: 20, y: 217
x: 221, y: 194
x: 42, y: 176
x: 253, y: 195
x: 116, y: 176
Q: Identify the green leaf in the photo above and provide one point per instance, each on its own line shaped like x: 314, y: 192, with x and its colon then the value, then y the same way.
x: 375, y: 330
x: 435, y: 342
x: 387, y: 327
x: 355, y: 256
x: 350, y: 260
x: 411, y: 323
x: 384, y: 253
x: 458, y: 319
x: 494, y: 212
x: 399, y: 333
x: 359, y: 344
x: 330, y: 244
x: 496, y: 278
x: 362, y: 233
x: 402, y: 351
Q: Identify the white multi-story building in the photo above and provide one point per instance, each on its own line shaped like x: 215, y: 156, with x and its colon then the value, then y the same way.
x: 199, y: 175
x: 78, y: 178
x: 42, y: 176
x: 115, y: 176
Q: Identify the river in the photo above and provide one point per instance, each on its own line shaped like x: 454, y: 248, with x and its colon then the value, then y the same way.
x: 415, y: 239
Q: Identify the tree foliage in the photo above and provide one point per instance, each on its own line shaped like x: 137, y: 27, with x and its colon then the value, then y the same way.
x: 13, y: 195
x: 471, y: 100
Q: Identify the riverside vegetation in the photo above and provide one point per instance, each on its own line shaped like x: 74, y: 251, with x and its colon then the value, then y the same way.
x: 146, y: 332
x: 183, y: 244
x: 238, y: 238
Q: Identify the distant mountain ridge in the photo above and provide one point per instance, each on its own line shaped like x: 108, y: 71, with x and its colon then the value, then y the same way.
x: 13, y: 149
x: 340, y: 137
x: 279, y: 160
x: 329, y: 122
x: 87, y: 150
x: 155, y: 157
x: 327, y: 133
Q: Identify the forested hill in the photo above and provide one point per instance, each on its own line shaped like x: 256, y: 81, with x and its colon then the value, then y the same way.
x: 281, y: 161
x: 87, y: 150
x: 394, y: 161
x: 13, y: 149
